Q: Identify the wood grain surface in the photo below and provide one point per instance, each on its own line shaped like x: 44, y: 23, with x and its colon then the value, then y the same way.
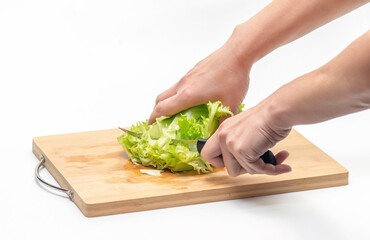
x: 104, y: 181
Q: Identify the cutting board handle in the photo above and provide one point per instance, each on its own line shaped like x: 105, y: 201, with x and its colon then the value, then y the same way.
x: 38, y: 177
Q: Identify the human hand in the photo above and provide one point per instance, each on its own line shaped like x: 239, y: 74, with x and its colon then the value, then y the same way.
x: 239, y: 142
x: 220, y: 76
x: 338, y: 88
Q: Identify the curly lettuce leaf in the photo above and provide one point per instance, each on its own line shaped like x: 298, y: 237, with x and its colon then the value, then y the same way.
x: 191, y: 124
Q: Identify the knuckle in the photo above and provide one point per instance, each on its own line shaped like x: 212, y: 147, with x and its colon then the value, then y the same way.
x: 198, y: 63
x: 222, y: 135
x: 159, y: 109
x: 186, y: 93
x: 232, y: 173
x: 226, y: 121
x: 158, y: 99
x: 184, y: 79
x: 242, y: 171
x: 230, y: 143
x: 239, y: 149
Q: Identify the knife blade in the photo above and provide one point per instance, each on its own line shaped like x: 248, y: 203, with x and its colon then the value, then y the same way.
x: 267, y: 157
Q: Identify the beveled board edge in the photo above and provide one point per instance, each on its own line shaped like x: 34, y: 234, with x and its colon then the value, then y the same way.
x: 229, y: 193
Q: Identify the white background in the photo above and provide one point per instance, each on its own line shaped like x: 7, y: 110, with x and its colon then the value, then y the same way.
x: 72, y: 66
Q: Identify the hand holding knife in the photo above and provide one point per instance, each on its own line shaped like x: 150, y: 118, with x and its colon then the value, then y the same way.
x: 268, y: 157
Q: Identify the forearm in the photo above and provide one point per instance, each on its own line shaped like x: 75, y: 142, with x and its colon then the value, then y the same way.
x: 340, y: 87
x: 283, y: 21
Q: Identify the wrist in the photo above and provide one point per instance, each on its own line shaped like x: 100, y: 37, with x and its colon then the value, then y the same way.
x: 280, y: 108
x: 241, y: 47
x: 246, y: 44
x: 299, y: 101
x: 269, y: 116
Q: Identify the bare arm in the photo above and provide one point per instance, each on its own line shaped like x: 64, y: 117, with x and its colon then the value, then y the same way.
x: 340, y: 87
x: 227, y: 69
x: 284, y: 21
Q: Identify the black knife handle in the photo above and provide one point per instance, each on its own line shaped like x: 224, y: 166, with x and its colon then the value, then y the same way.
x: 267, y: 157
x: 200, y: 144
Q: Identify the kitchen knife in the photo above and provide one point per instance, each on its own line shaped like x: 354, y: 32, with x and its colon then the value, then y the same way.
x: 267, y: 157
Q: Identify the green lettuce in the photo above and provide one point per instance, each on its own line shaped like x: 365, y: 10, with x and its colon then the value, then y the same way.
x: 162, y: 153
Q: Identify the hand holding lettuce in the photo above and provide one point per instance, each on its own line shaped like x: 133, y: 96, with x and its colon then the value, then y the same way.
x: 191, y: 124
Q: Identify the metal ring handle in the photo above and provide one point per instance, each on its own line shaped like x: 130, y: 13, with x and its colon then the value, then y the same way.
x: 37, y: 174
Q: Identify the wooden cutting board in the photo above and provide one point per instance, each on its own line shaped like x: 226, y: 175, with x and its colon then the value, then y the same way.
x: 94, y: 166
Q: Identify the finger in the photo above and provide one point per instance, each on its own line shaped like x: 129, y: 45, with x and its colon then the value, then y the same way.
x: 174, y: 104
x: 242, y: 171
x: 166, y: 94
x: 260, y: 167
x: 281, y: 157
x: 243, y: 162
x: 217, y: 161
x: 232, y: 165
x: 223, y: 118
x: 167, y: 107
x: 211, y: 152
x: 246, y: 167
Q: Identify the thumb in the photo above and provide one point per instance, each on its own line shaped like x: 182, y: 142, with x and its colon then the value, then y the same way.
x: 170, y: 106
x: 212, y: 153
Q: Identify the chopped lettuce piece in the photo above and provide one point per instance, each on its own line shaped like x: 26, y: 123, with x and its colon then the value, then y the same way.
x: 191, y: 124
x: 152, y: 172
